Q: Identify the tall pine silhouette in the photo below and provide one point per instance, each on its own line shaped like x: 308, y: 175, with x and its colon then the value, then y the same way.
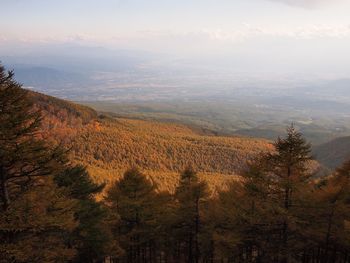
x: 23, y: 156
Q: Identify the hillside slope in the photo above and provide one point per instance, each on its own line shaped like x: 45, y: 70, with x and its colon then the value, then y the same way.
x: 110, y: 146
x: 162, y: 149
x: 334, y: 153
x: 65, y: 112
x: 61, y: 120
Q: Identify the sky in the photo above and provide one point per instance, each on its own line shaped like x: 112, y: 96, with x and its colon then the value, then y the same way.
x: 293, y: 32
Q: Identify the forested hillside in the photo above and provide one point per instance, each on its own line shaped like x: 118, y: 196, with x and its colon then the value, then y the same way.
x: 108, y: 146
x: 160, y: 210
x: 111, y: 146
x: 61, y: 120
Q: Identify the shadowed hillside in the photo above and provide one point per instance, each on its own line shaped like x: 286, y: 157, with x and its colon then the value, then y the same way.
x: 333, y: 153
x: 66, y: 112
x: 61, y: 120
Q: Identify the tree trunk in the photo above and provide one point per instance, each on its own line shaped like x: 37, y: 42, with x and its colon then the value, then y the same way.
x: 329, y: 230
x: 4, y: 191
x: 285, y: 256
x: 197, y: 232
x: 190, y: 249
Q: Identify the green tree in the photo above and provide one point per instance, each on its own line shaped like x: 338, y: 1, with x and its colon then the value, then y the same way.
x: 34, y: 214
x: 23, y: 156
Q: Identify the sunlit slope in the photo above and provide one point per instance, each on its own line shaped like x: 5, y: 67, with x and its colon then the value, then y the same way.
x: 162, y: 150
x: 109, y: 146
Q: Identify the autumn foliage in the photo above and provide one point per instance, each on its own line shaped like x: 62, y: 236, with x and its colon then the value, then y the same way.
x: 155, y: 192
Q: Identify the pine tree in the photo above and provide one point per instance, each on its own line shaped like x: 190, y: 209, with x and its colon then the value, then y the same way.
x: 190, y: 195
x: 290, y: 172
x: 330, y: 225
x: 34, y: 227
x: 245, y: 216
x: 269, y: 207
x: 23, y: 156
x: 92, y: 237
x: 34, y: 216
x: 132, y: 198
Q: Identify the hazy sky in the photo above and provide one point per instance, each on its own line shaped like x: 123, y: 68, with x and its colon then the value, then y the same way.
x: 286, y: 30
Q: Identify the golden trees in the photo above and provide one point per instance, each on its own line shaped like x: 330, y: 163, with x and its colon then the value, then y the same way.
x: 190, y: 195
x: 132, y: 198
x: 35, y: 226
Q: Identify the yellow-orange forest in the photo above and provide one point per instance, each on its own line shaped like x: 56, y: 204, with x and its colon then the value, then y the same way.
x: 109, y: 146
x: 272, y: 209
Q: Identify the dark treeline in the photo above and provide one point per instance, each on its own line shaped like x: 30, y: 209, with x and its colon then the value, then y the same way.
x: 278, y: 212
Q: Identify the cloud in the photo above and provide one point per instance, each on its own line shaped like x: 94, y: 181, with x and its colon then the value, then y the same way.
x: 202, y: 40
x: 309, y: 3
x: 246, y: 31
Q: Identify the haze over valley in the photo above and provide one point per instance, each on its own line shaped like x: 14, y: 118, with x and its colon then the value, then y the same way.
x: 163, y: 131
x: 223, y: 97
